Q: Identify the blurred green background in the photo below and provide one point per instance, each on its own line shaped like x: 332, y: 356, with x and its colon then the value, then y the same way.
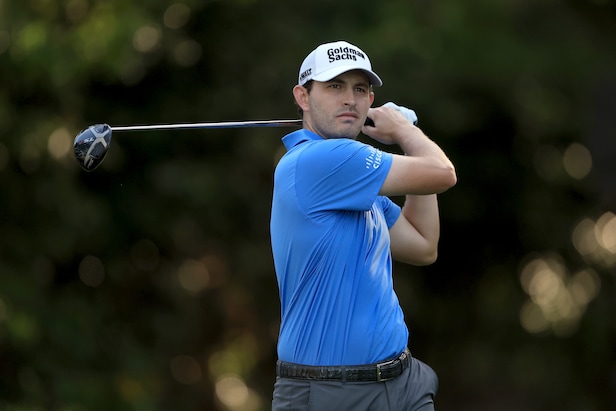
x: 148, y: 284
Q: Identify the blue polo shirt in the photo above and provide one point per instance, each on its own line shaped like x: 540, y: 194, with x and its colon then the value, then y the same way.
x: 330, y: 243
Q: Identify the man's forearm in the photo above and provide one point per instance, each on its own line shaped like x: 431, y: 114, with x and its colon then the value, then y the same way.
x: 422, y: 212
x: 416, y: 143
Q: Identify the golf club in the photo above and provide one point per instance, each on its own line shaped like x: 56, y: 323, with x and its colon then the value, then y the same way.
x: 91, y: 145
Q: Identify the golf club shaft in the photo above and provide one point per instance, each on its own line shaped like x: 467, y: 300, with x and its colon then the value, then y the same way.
x: 226, y: 124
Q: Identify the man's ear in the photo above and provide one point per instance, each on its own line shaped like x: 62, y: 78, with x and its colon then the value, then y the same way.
x: 301, y: 97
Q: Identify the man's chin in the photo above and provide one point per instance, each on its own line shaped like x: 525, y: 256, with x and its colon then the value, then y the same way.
x: 347, y: 131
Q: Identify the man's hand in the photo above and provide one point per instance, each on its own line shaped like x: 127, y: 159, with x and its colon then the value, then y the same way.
x: 389, y: 123
x: 410, y: 115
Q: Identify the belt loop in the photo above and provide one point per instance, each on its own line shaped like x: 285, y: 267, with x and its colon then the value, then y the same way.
x: 344, y: 376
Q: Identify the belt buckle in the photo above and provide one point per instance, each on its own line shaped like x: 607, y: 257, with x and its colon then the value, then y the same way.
x: 379, y: 377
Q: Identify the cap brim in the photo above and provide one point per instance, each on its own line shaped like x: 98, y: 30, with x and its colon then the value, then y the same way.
x: 327, y: 75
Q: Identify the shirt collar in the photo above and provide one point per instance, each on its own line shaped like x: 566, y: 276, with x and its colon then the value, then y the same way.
x: 299, y: 136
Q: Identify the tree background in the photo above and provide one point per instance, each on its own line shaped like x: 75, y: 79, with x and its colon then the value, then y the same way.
x: 148, y: 284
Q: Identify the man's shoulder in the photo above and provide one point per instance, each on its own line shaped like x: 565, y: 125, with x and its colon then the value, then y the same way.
x: 331, y: 145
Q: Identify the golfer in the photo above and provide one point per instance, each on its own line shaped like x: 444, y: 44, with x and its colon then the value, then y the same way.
x: 334, y: 232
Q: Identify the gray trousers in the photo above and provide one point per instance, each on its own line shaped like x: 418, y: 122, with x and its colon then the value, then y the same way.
x: 413, y: 390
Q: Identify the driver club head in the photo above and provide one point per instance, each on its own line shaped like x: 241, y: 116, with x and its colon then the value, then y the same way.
x: 91, y: 146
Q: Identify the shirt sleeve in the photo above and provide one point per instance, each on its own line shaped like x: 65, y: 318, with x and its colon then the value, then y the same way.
x: 390, y: 209
x: 340, y: 174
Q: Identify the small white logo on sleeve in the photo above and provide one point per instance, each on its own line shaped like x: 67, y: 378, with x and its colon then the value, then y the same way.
x: 374, y: 159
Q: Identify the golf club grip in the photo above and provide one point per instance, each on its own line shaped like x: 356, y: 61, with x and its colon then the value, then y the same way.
x: 370, y: 122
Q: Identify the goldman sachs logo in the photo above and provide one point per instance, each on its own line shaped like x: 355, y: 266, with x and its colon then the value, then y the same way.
x: 344, y: 53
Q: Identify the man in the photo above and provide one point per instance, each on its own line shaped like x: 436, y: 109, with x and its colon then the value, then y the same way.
x: 334, y: 232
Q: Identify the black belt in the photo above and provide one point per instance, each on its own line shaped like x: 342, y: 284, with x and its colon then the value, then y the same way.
x: 384, y: 371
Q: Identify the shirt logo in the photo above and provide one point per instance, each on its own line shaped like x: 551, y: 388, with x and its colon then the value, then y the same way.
x: 374, y: 159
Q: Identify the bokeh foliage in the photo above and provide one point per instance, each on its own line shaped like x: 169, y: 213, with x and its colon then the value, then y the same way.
x: 148, y: 284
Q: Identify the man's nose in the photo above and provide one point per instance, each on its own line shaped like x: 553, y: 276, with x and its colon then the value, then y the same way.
x: 349, y: 98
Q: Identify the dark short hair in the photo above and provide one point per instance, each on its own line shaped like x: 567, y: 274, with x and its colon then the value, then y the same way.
x: 308, y: 87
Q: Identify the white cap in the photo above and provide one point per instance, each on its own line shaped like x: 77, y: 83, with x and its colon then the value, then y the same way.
x: 332, y: 59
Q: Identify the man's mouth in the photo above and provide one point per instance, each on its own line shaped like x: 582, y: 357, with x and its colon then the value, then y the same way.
x: 348, y: 115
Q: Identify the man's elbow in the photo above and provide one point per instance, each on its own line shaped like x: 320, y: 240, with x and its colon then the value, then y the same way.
x: 423, y: 259
x: 427, y: 259
x: 448, y: 179
x: 452, y: 176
